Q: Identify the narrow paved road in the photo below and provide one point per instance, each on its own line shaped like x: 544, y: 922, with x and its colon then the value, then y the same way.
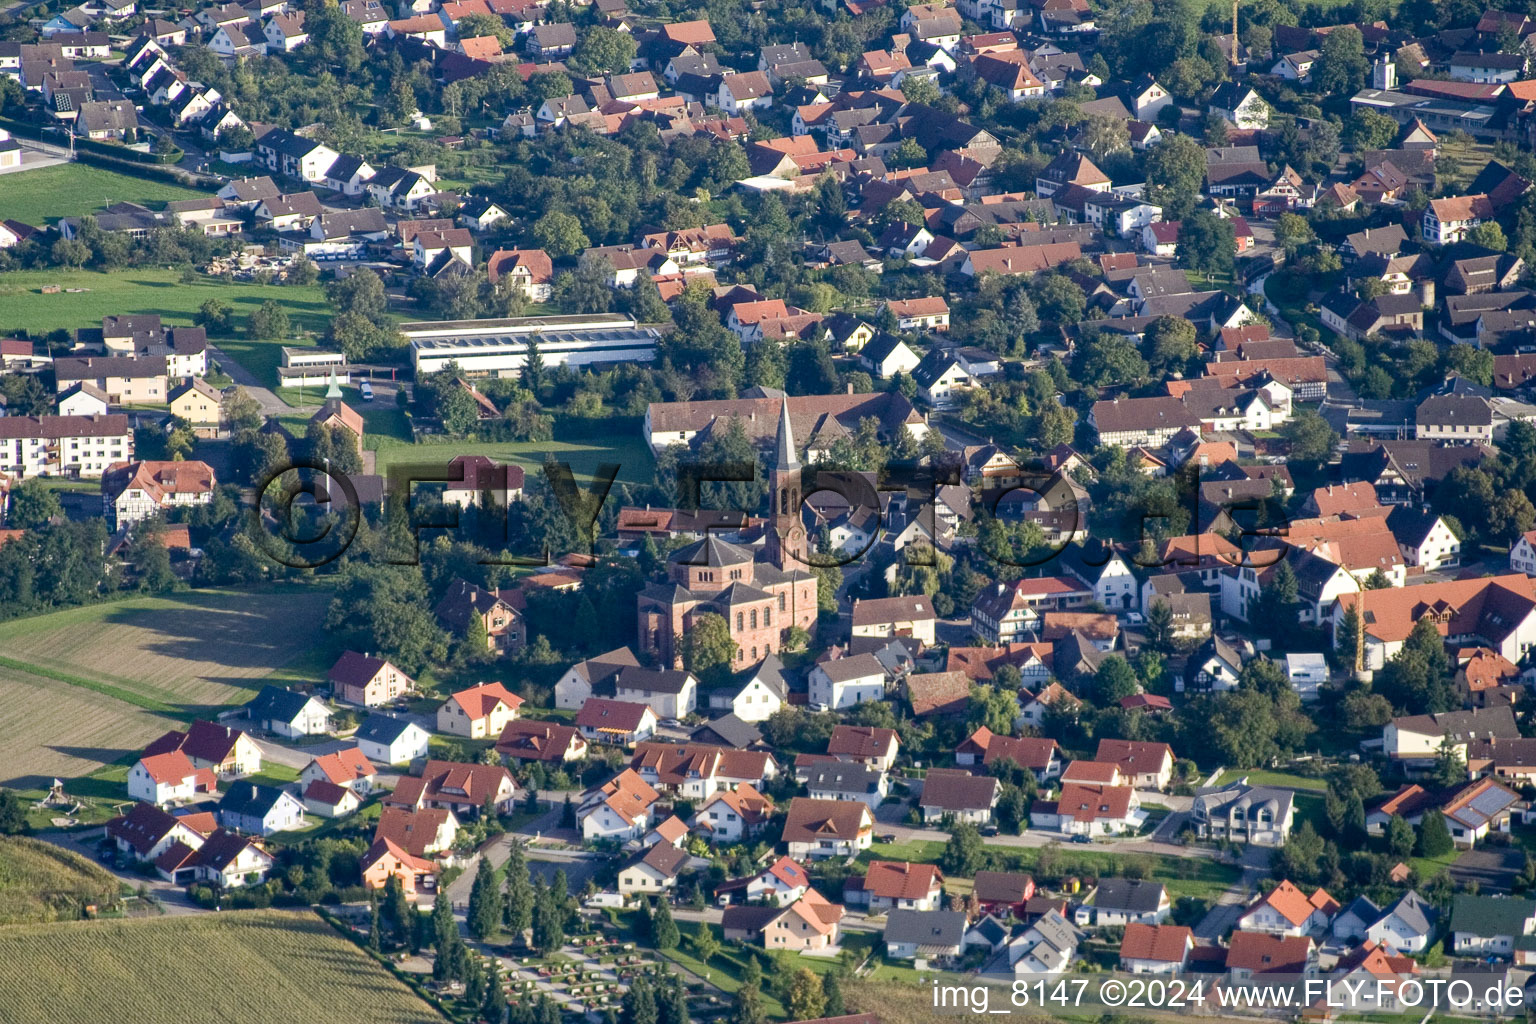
x: 1158, y: 843
x: 265, y: 396
x: 498, y: 849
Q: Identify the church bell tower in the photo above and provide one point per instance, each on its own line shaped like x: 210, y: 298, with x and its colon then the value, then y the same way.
x: 786, y: 547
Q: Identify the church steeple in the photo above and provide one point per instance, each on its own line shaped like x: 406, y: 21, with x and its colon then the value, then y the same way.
x: 784, y: 456
x: 786, y: 538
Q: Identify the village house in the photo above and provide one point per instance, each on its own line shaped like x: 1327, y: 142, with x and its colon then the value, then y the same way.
x: 838, y: 780
x: 368, y: 681
x: 386, y: 859
x: 531, y: 740
x: 620, y: 809
x: 348, y: 767
x: 623, y: 723
x: 479, y: 712
x: 847, y: 681
x: 958, y: 796
x: 260, y: 810
x: 288, y: 713
x: 1118, y: 902
x: 927, y: 936
x: 226, y: 750
x: 169, y: 778
x: 1286, y: 910
x: 388, y: 739
x: 732, y: 815
x: 896, y: 885
x: 816, y: 829
x: 135, y: 491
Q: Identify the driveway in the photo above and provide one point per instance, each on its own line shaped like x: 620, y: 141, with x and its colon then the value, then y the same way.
x: 264, y: 396
x: 172, y: 898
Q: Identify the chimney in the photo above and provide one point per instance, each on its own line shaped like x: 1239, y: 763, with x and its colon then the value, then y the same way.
x: 850, y: 387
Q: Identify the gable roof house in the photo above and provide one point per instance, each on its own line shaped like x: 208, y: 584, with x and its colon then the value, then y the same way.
x: 288, y: 713
x: 865, y: 745
x: 479, y: 712
x: 1155, y: 949
x: 348, y: 767
x: 1240, y: 106
x: 924, y: 935
x: 391, y: 740
x: 1090, y: 809
x: 615, y: 721
x: 169, y: 778
x: 1498, y: 612
x: 652, y: 871
x: 1489, y: 925
x: 896, y: 885
x: 260, y: 810
x: 226, y: 750
x: 827, y: 828
x: 366, y: 680
x: 1119, y: 902
x: 1286, y: 910
x: 621, y: 808
x: 957, y: 795
x: 1250, y: 954
x: 731, y: 815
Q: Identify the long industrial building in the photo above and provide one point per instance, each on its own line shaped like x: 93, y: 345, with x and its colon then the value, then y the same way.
x: 499, y: 348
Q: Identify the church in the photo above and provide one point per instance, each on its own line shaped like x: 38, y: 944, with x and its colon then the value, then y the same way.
x: 759, y: 598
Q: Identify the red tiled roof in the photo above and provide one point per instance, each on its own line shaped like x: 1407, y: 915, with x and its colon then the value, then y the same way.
x: 1166, y: 943
x: 893, y: 880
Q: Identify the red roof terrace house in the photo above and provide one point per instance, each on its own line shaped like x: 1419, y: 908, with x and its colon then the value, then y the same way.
x: 463, y: 789
x: 210, y: 745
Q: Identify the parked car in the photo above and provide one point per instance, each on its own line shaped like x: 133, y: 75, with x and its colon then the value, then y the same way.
x: 1081, y: 839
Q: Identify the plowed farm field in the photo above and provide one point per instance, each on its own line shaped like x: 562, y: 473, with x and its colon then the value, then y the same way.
x: 255, y: 965
x: 51, y: 730
x: 200, y: 648
x: 86, y: 686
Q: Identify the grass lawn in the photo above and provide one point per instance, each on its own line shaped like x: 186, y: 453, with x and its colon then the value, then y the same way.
x: 364, y: 820
x: 381, y: 418
x: 274, y: 774
x: 1282, y: 780
x: 140, y: 291
x: 630, y: 452
x: 1311, y: 807
x: 72, y: 190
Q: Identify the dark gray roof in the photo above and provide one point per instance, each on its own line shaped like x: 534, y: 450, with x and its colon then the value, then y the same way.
x: 843, y: 777
x: 1414, y: 911
x: 250, y: 799
x: 730, y: 730
x: 1489, y: 916
x: 653, y: 680
x: 925, y: 927
x: 276, y: 705
x: 385, y: 729
x: 1134, y: 896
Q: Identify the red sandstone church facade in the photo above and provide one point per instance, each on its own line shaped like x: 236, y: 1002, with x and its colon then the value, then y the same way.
x: 760, y: 600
